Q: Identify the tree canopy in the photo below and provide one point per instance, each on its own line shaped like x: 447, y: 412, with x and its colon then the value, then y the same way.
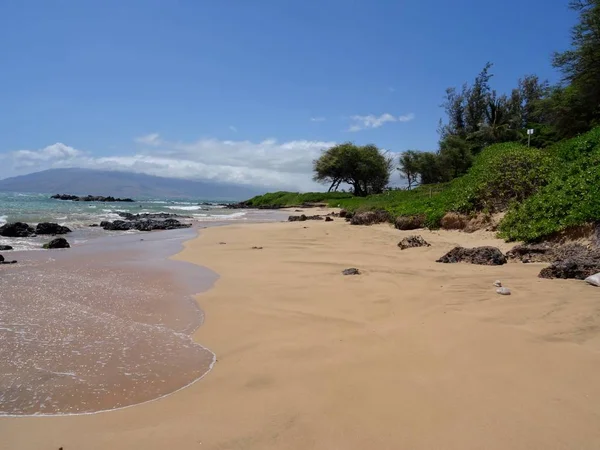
x: 365, y: 168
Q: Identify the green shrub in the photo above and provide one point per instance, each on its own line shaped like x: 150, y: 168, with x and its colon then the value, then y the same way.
x: 283, y: 198
x: 502, y: 174
x: 571, y: 198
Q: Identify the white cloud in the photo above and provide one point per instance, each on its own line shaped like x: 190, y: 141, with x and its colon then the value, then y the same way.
x: 317, y: 119
x: 232, y: 128
x: 149, y: 139
x: 372, y: 121
x: 269, y: 164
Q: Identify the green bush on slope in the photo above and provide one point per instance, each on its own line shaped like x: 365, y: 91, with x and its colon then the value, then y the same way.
x: 571, y: 198
x: 501, y: 174
x: 283, y: 198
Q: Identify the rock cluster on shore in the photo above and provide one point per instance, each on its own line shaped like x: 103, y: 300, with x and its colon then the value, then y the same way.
x: 130, y: 216
x: 146, y: 224
x: 91, y: 198
x: 303, y: 218
x: 51, y: 228
x: 16, y: 229
x: 412, y: 242
x: 57, y: 243
x: 486, y: 256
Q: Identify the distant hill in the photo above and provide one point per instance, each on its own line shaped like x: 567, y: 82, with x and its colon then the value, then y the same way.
x: 123, y: 184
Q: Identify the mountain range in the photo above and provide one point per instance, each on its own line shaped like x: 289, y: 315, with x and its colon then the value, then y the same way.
x: 123, y: 184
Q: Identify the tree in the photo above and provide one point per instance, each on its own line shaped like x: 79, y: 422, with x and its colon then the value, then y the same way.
x: 365, y: 168
x: 430, y: 168
x: 577, y: 105
x: 409, y: 167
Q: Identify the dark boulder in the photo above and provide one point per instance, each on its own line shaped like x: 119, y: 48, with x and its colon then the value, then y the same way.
x: 51, y: 228
x: 486, y: 256
x: 144, y: 225
x: 370, y: 218
x: 1, y: 258
x: 409, y: 222
x: 351, y: 271
x: 578, y: 269
x: 57, y: 243
x: 5, y: 247
x: 117, y: 225
x: 16, y: 229
x: 167, y: 224
x: 532, y: 253
x: 343, y: 213
x: 328, y: 219
x: 129, y: 216
x: 303, y: 218
x: 413, y: 241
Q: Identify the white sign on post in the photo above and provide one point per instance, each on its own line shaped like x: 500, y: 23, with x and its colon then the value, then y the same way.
x: 530, y: 131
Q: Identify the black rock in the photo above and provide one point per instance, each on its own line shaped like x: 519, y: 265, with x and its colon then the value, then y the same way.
x: 8, y: 262
x: 117, y: 225
x: 57, y: 243
x: 5, y: 247
x: 328, y: 219
x: 129, y: 216
x: 1, y: 258
x: 351, y: 271
x: 90, y: 198
x: 51, y: 228
x: 16, y: 229
x: 413, y: 241
x: 144, y: 225
x: 486, y: 256
x: 303, y: 217
x: 370, y: 217
x: 578, y: 269
x: 532, y: 253
x: 409, y: 222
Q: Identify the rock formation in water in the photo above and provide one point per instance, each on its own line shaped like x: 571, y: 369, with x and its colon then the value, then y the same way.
x: 51, y: 228
x: 16, y: 229
x: 90, y: 198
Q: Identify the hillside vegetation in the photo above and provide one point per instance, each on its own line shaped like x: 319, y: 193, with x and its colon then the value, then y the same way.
x: 288, y: 199
x: 542, y: 191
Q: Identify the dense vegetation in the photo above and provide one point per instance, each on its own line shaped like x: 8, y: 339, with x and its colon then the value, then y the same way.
x: 478, y: 116
x: 485, y: 163
x: 283, y: 198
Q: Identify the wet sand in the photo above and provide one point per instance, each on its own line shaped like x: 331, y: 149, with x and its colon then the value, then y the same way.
x: 409, y: 355
x: 99, y: 326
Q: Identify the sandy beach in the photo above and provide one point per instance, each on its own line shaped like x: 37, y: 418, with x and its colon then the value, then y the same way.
x: 411, y: 354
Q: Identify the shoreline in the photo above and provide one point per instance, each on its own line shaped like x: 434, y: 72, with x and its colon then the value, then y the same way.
x: 149, y: 259
x: 409, y: 354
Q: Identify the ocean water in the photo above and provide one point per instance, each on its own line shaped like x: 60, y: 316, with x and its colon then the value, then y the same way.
x: 108, y: 323
x: 35, y: 208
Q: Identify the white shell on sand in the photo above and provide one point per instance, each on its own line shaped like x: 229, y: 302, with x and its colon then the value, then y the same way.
x: 503, y: 291
x: 498, y: 283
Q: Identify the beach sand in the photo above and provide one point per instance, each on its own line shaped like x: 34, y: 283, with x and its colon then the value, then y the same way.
x: 411, y: 354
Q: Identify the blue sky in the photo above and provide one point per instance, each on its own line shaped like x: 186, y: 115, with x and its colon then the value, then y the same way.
x: 248, y: 91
